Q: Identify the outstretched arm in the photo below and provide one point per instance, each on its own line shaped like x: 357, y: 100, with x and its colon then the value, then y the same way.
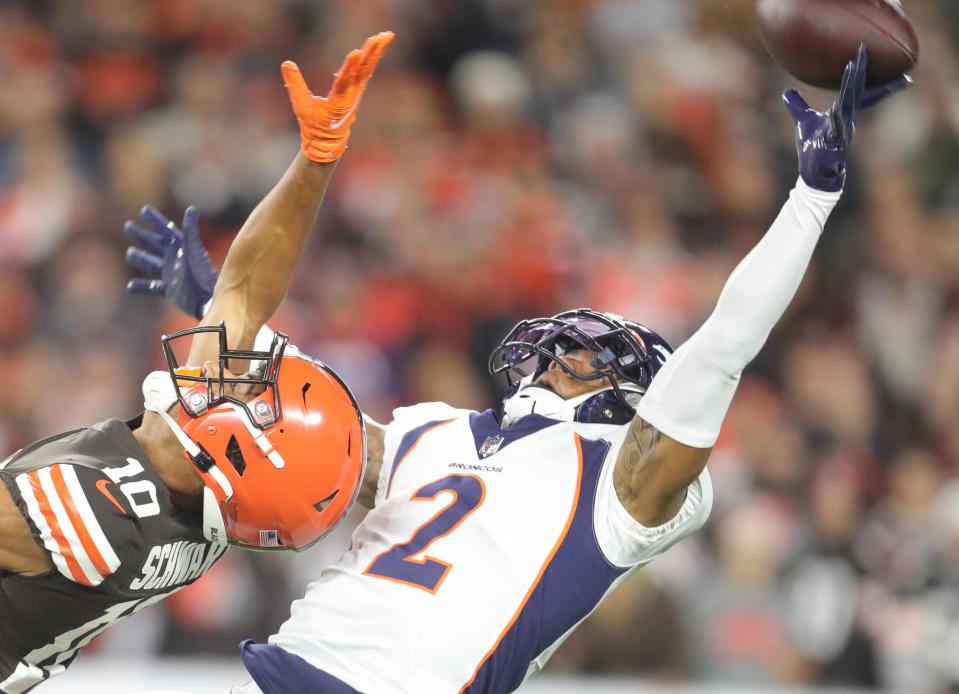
x: 260, y: 262
x: 261, y: 259
x: 173, y: 260
x: 679, y: 417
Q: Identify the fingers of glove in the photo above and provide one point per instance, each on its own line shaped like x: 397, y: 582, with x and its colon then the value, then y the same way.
x: 141, y: 285
x: 196, y: 255
x: 373, y: 50
x: 300, y: 95
x: 798, y: 108
x: 143, y: 261
x: 359, y: 66
x: 346, y: 75
x: 371, y: 53
x: 837, y: 128
x: 159, y: 223
x: 862, y: 62
x: 873, y: 95
x: 846, y: 101
x: 191, y: 219
x: 344, y: 95
x: 152, y: 241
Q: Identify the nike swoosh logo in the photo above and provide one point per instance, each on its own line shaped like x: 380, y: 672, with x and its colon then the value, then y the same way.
x: 337, y: 124
x: 102, y: 487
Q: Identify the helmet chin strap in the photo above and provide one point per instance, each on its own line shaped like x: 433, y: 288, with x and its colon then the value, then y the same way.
x: 159, y: 396
x: 533, y: 399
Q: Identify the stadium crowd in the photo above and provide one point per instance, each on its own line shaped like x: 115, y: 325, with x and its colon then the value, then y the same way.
x: 516, y: 158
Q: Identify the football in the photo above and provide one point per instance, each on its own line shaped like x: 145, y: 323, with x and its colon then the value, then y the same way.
x: 814, y: 39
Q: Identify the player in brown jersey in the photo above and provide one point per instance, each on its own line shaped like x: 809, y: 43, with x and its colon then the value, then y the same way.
x: 96, y: 524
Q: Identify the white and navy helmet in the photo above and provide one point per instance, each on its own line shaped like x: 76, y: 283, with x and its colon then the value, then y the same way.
x: 626, y: 355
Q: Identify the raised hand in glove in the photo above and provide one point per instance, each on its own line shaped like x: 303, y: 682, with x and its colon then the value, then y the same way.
x: 822, y: 139
x: 325, y: 121
x: 175, y: 260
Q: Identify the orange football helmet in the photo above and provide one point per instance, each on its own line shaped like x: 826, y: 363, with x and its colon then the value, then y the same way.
x: 282, y: 466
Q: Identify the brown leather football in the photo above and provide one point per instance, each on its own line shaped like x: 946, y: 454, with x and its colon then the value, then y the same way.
x: 814, y: 39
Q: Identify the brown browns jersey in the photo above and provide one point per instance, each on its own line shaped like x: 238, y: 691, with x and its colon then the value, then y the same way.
x: 117, y: 543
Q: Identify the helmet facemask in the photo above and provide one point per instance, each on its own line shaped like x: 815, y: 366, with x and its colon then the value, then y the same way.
x: 263, y: 368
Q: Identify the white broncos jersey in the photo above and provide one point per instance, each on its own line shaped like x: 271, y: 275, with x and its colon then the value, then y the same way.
x: 485, y: 549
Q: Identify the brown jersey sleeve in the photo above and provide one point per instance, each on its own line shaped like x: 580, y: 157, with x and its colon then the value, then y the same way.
x: 72, y: 511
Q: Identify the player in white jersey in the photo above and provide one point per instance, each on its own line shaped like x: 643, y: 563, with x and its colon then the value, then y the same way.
x: 489, y: 538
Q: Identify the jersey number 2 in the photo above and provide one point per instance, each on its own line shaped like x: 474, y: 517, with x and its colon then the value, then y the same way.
x: 399, y: 564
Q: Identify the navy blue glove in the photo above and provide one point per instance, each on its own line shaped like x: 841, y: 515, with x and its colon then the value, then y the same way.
x: 175, y: 260
x: 822, y: 139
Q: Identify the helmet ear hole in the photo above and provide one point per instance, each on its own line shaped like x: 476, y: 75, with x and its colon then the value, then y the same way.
x: 320, y: 506
x: 235, y: 456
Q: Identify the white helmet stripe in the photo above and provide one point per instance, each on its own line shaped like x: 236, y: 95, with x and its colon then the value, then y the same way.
x: 222, y: 481
x: 261, y: 439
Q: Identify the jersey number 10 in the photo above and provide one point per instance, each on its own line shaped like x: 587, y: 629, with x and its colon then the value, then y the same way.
x: 143, y: 507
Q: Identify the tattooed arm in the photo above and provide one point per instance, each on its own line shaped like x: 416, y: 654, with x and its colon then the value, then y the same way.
x: 653, y: 471
x: 678, y: 419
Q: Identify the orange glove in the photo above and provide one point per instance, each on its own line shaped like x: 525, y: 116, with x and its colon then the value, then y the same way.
x: 325, y: 121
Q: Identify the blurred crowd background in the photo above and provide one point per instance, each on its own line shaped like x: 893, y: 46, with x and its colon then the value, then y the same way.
x: 515, y: 158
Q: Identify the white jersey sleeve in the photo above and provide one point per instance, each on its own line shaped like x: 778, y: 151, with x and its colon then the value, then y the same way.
x: 407, y: 420
x: 624, y: 541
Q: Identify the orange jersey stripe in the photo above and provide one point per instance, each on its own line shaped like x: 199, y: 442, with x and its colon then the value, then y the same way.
x: 65, y: 551
x: 56, y: 472
x: 542, y: 569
